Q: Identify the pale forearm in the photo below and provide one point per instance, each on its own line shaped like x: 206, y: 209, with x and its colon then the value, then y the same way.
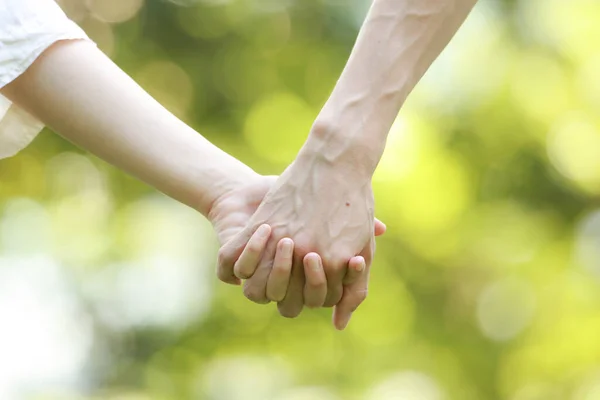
x: 397, y: 43
x: 86, y: 98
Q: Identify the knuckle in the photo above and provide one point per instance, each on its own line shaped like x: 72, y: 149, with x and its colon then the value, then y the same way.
x: 254, y: 294
x: 254, y: 247
x: 313, y: 304
x: 361, y: 296
x: 222, y: 276
x: 289, y: 311
x: 331, y: 257
x: 319, y: 283
x: 329, y: 303
x: 302, y: 247
x: 241, y: 272
x: 281, y: 269
x: 243, y: 275
x: 222, y: 257
x: 315, y: 301
x: 275, y: 296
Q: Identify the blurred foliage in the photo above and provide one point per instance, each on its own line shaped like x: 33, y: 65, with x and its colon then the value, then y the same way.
x: 485, y: 286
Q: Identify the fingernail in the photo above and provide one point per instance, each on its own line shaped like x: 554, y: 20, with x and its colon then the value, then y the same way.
x: 345, y: 322
x: 287, y: 247
x: 264, y: 231
x: 361, y: 267
x: 314, y: 264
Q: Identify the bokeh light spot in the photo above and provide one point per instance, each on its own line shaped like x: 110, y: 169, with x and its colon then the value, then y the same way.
x: 254, y: 378
x: 407, y: 385
x: 505, y: 308
x: 168, y: 83
x: 101, y: 33
x: 588, y: 242
x: 114, y: 11
x: 278, y: 125
x: 207, y: 22
x: 424, y: 188
x: 574, y: 149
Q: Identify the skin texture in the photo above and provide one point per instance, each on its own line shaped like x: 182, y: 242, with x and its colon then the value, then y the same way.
x: 81, y: 94
x: 229, y: 216
x: 323, y: 201
x: 345, y: 210
x: 114, y: 118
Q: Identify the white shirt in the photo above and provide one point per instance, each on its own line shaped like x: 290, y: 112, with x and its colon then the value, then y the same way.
x: 27, y: 28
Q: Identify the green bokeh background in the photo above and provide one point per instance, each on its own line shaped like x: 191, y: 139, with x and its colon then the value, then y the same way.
x: 486, y: 285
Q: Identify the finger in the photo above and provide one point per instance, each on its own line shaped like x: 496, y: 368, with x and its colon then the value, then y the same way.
x: 226, y: 277
x: 245, y: 266
x: 380, y: 227
x: 279, y: 278
x: 353, y: 297
x: 255, y: 287
x: 291, y: 306
x: 355, y: 293
x: 356, y: 267
x: 315, y: 286
x: 228, y: 255
x: 334, y: 274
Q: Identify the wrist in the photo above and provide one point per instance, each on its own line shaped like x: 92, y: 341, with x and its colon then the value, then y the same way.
x: 226, y: 178
x: 344, y: 147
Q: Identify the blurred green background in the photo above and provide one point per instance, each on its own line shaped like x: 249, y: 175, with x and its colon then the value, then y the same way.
x: 486, y: 285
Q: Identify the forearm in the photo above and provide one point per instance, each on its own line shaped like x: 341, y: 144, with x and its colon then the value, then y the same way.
x: 396, y: 45
x: 82, y: 95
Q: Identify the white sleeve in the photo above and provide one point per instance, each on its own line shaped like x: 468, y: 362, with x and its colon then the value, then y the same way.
x: 27, y: 28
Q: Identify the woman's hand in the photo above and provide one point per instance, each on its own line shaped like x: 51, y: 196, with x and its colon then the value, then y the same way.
x: 229, y: 215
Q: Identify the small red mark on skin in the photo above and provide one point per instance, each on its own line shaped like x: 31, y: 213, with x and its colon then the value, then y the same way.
x: 347, y: 204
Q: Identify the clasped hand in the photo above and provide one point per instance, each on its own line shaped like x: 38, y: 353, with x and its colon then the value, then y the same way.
x: 305, y: 238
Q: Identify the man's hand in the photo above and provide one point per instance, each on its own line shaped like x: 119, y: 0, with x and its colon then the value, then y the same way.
x: 325, y: 210
x: 229, y: 215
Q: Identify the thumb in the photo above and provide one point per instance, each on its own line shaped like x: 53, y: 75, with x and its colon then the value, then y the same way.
x: 229, y: 254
